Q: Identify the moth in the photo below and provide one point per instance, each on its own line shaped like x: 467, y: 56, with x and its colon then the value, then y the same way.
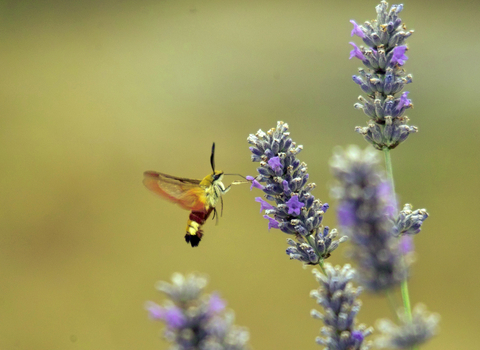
x: 199, y: 196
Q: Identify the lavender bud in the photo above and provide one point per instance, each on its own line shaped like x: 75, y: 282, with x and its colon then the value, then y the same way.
x: 409, y: 222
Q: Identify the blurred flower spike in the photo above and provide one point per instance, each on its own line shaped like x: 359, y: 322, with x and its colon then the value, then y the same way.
x: 384, y: 77
x: 292, y: 208
x: 365, y: 213
x: 408, y: 334
x: 194, y: 320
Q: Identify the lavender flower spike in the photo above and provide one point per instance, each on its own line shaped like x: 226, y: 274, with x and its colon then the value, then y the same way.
x: 365, y: 213
x: 423, y: 326
x: 294, y: 210
x: 384, y: 78
x: 196, y: 321
x: 338, y: 298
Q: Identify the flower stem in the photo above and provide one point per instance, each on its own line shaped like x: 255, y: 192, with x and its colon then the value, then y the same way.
x: 320, y: 263
x: 388, y: 165
x: 404, y: 285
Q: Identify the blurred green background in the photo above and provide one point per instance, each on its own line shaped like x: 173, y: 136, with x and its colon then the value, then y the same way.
x: 93, y: 93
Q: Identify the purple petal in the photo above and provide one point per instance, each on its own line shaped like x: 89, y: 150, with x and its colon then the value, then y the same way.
x: 404, y: 101
x: 399, y: 55
x: 325, y: 207
x: 385, y: 191
x: 346, y: 214
x: 155, y: 311
x: 263, y: 204
x: 272, y: 223
x: 294, y: 205
x: 358, y: 336
x: 356, y: 52
x: 406, y: 244
x: 275, y: 163
x: 256, y: 184
x: 216, y: 304
x: 174, y: 317
x: 286, y: 187
x: 357, y: 30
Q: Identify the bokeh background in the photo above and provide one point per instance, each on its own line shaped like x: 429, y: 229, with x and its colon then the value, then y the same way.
x: 93, y: 93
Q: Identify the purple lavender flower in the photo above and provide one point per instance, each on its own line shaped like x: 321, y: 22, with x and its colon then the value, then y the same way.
x: 409, y: 334
x: 195, y: 321
x: 357, y: 30
x: 294, y: 210
x: 398, y: 56
x: 155, y: 311
x: 216, y: 304
x: 404, y: 102
x: 366, y: 218
x: 383, y: 78
x: 409, y: 222
x: 356, y: 52
x: 338, y: 298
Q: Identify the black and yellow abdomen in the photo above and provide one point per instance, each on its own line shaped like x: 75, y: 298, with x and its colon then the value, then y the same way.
x: 194, y: 226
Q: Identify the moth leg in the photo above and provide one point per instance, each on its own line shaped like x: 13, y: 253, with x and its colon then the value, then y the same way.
x: 225, y: 190
x: 221, y: 202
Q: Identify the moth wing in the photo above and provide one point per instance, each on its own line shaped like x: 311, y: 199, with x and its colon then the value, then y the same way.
x: 185, y: 192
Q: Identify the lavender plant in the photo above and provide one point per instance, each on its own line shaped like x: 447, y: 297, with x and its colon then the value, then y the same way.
x: 383, y: 80
x: 196, y: 321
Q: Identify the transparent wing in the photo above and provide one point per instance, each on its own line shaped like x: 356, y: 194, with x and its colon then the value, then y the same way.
x: 185, y: 192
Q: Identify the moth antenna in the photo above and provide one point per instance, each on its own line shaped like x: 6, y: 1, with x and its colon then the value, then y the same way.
x: 212, y: 157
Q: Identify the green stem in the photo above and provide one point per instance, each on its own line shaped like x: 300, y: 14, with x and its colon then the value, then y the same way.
x: 388, y: 165
x: 406, y: 299
x: 320, y: 263
x: 404, y: 285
